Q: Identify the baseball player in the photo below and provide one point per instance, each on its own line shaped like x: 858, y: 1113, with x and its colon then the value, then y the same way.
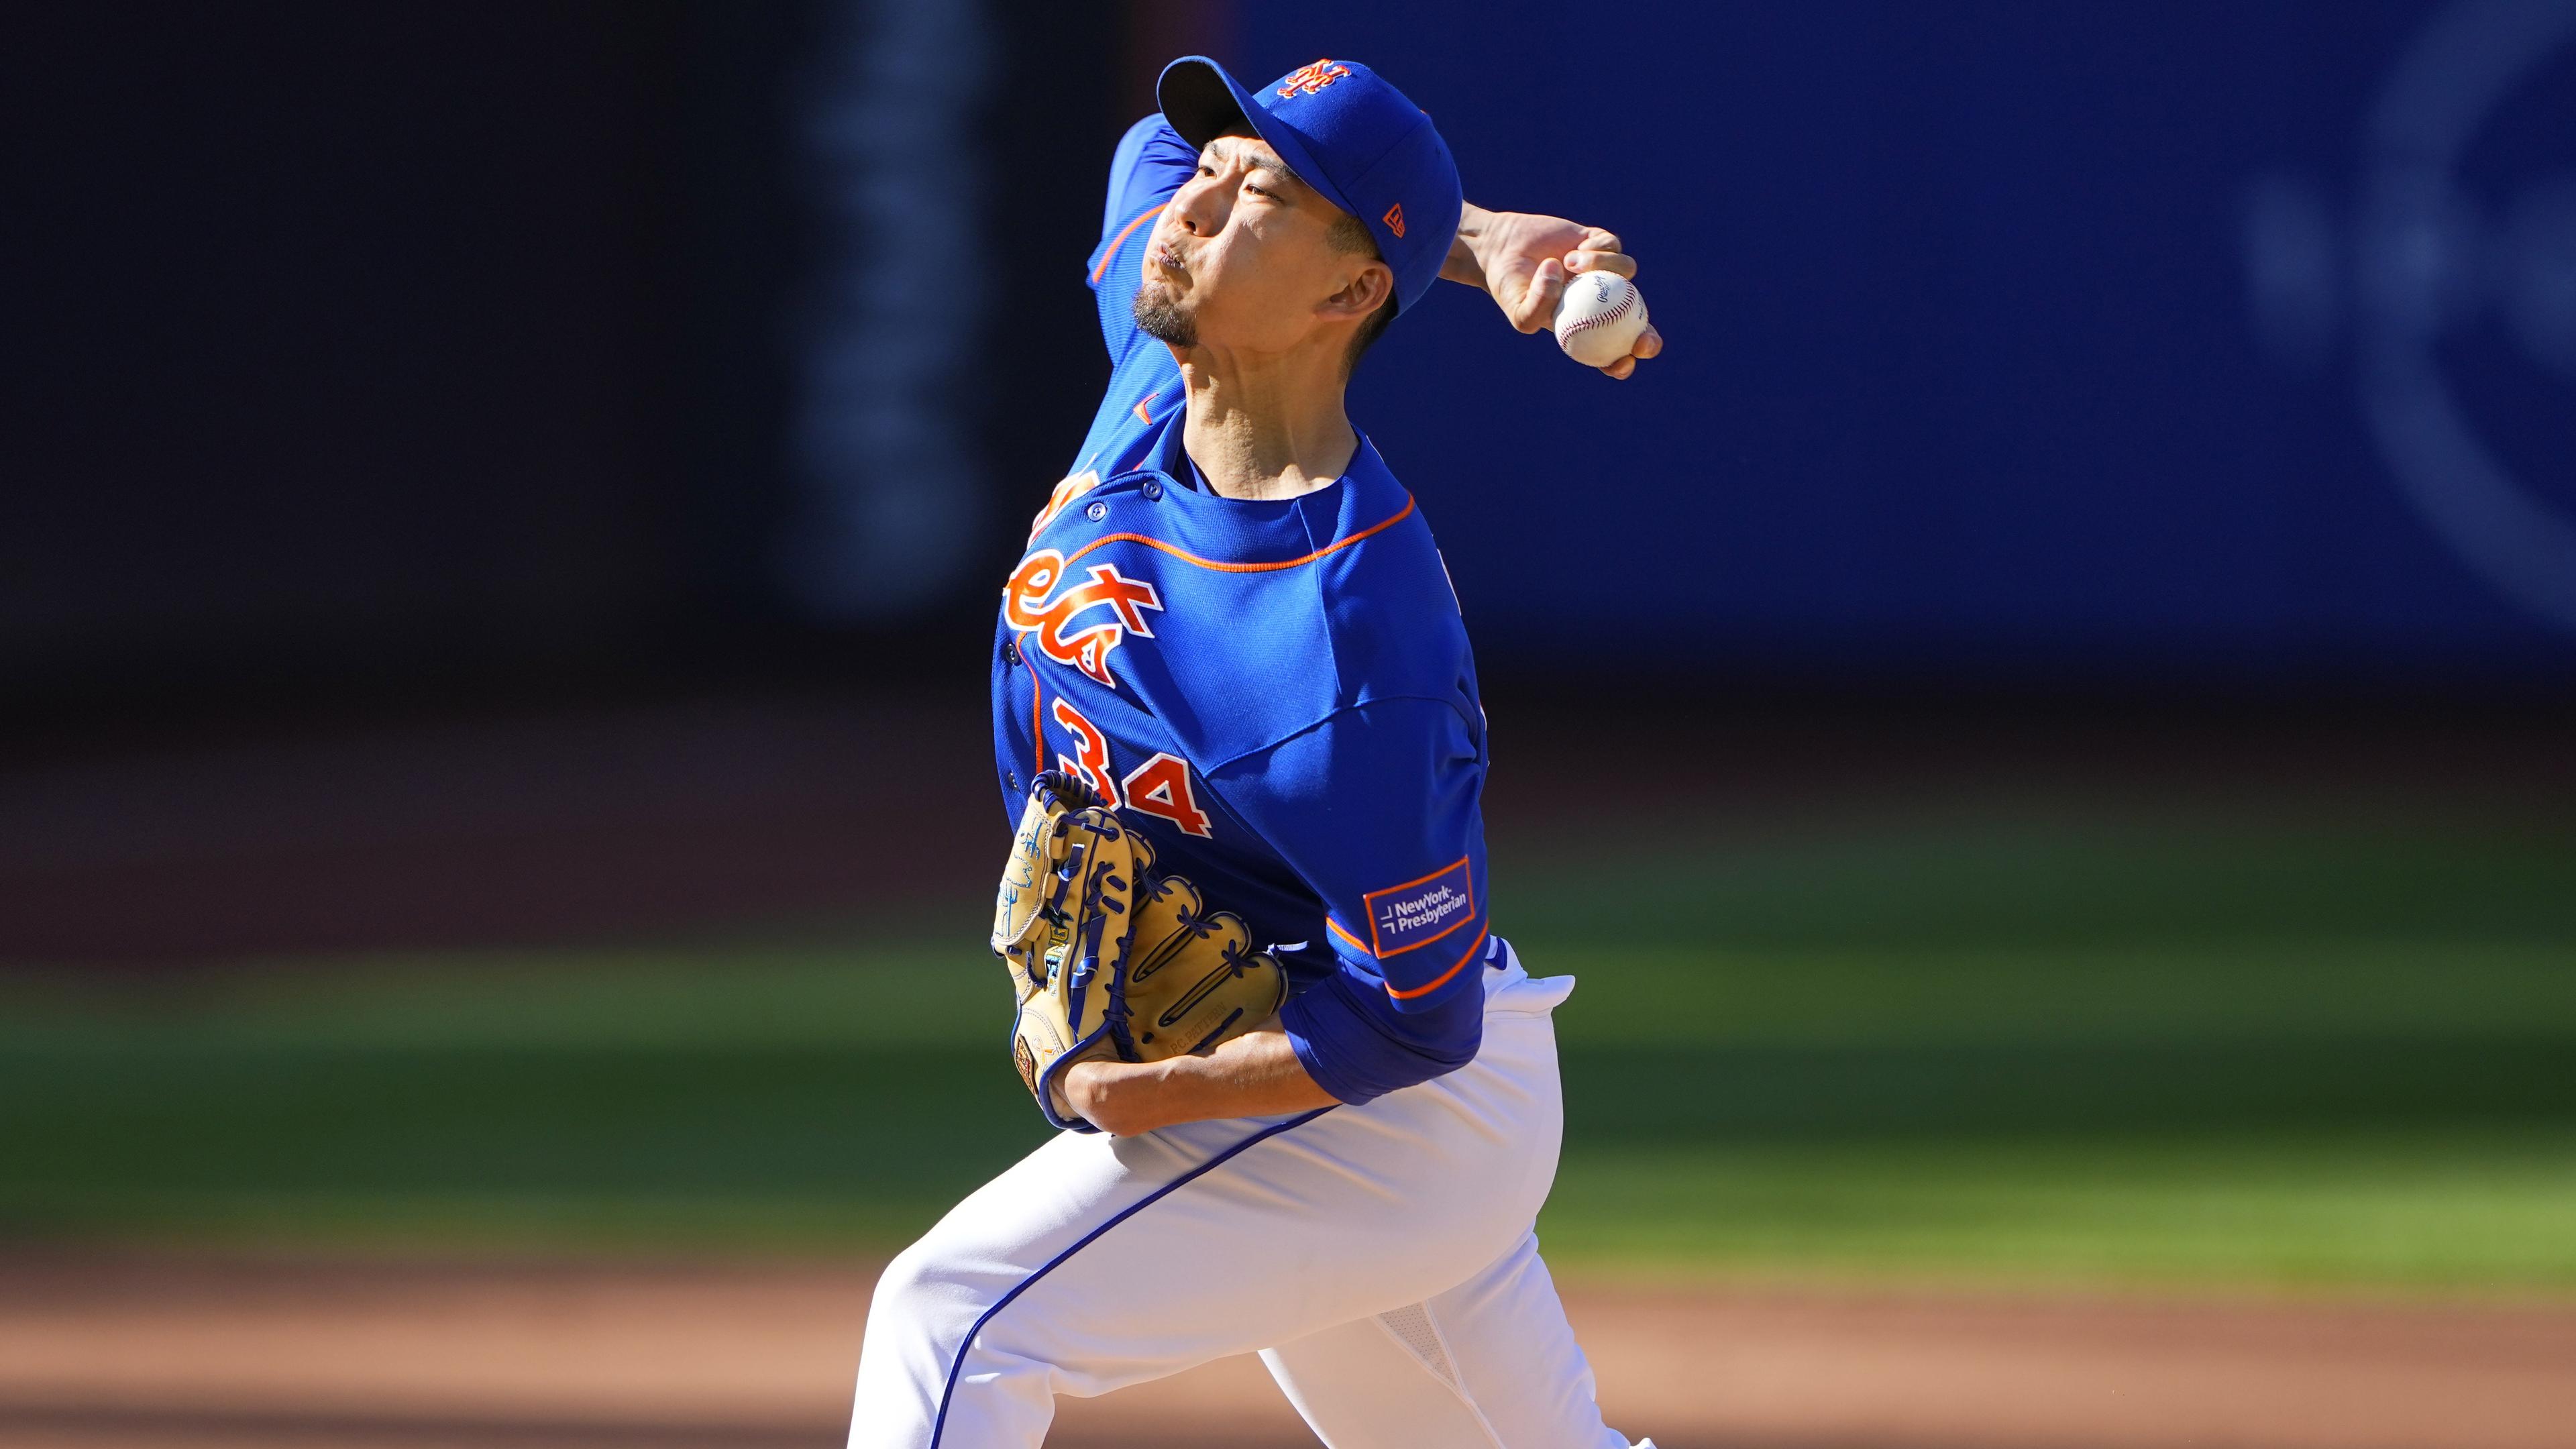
x: 1311, y: 1098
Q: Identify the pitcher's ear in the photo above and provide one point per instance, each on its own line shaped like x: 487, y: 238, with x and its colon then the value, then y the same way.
x: 1368, y: 289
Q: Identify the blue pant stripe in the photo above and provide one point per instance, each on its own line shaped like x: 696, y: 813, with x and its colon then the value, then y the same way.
x: 957, y: 1366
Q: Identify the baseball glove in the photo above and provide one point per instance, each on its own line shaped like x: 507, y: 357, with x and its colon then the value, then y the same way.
x: 1108, y: 960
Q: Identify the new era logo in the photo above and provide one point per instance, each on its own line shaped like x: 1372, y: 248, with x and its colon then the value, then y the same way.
x: 1395, y: 218
x: 1312, y: 78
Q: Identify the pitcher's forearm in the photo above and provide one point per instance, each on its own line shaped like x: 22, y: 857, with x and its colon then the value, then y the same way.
x: 1464, y: 263
x: 1254, y: 1075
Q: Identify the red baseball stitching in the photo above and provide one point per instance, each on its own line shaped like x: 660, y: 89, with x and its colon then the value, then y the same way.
x: 1610, y: 316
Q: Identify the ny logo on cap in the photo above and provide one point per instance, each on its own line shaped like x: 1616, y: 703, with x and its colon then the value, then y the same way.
x: 1312, y: 78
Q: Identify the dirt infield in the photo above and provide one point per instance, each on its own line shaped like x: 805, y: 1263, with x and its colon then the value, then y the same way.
x: 165, y: 1352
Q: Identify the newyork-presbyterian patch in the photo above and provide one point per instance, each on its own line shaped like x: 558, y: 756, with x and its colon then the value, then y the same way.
x: 1420, y: 912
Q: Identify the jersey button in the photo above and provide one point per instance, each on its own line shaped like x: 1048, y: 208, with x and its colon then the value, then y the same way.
x: 1011, y: 781
x: 1153, y: 490
x: 1011, y: 651
x: 1096, y: 512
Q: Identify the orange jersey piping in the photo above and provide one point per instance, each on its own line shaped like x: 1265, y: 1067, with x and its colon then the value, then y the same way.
x: 1120, y: 240
x: 1222, y: 566
x: 1426, y: 990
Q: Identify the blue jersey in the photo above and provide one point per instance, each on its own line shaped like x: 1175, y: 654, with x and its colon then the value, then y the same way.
x: 1279, y: 695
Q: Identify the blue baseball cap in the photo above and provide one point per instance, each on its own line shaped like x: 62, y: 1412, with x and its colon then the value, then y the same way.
x: 1349, y: 135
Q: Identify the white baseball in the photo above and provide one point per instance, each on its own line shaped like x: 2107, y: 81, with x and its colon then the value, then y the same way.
x: 1599, y: 317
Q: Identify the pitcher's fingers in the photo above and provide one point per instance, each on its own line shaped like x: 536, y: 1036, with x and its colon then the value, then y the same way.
x: 1648, y: 343
x: 1536, y: 311
x: 1590, y: 259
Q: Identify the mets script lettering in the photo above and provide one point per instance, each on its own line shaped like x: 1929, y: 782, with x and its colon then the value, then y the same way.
x: 1070, y: 629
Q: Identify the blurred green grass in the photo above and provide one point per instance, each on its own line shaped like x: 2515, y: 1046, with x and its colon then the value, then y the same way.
x: 2208, y: 1054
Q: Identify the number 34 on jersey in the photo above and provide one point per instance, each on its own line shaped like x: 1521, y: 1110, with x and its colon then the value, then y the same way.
x: 1160, y: 786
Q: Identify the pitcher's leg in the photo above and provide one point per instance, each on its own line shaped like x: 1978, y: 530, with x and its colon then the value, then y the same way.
x: 1097, y: 1262
x: 934, y: 1295
x: 1358, y: 1386
x: 1489, y: 1364
x: 924, y: 1312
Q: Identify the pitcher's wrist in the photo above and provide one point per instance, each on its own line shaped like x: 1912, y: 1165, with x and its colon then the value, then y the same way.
x: 1463, y: 263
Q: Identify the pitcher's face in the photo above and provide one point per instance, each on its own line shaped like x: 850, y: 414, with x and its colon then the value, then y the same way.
x: 1243, y: 259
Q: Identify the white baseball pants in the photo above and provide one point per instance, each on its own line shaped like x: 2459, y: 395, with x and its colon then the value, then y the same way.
x: 1379, y: 1257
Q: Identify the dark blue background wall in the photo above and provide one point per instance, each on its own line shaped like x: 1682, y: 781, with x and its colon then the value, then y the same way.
x: 476, y: 349
x: 1970, y: 369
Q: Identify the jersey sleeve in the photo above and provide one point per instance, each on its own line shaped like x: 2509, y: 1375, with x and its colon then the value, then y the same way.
x: 1377, y: 810
x: 1149, y: 165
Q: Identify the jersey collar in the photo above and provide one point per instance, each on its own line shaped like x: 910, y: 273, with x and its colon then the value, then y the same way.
x: 1166, y: 456
x: 1157, y: 504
